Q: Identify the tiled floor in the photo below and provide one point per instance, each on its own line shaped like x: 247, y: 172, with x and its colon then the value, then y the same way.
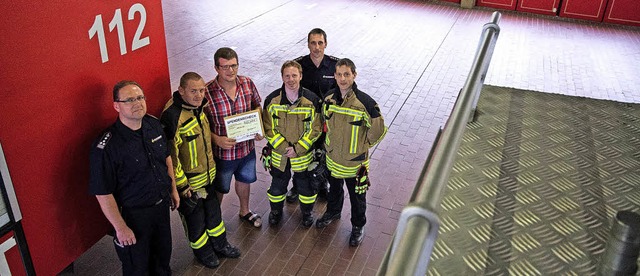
x: 413, y: 58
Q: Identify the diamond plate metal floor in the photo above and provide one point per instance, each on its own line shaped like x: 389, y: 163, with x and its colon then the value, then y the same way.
x: 536, y: 183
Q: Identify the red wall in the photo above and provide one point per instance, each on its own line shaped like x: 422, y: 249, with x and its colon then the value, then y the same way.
x: 55, y: 99
x: 12, y: 257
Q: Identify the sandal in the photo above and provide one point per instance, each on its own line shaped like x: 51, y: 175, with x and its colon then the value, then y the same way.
x: 252, y: 218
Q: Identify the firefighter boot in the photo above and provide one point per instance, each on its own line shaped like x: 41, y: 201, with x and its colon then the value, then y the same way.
x: 357, y: 235
x: 307, y: 216
x: 326, y: 219
x: 224, y: 249
x: 206, y: 256
x: 276, y: 213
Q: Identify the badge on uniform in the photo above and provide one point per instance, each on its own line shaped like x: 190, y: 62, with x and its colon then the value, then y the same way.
x: 103, y: 141
x: 156, y: 139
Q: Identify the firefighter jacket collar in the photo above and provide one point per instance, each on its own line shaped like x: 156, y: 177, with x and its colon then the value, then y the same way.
x: 178, y: 99
x: 338, y: 94
x: 285, y: 100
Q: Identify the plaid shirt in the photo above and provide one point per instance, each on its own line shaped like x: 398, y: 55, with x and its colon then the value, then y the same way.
x: 221, y: 105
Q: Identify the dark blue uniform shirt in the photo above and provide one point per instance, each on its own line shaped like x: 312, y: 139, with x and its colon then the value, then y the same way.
x: 318, y: 79
x: 130, y: 164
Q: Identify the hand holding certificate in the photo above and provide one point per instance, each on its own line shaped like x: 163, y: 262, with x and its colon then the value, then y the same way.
x: 244, y: 126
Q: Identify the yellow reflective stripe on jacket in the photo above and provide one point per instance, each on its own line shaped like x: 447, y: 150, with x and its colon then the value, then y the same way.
x: 200, y: 242
x: 193, y: 151
x: 181, y: 179
x: 276, y: 140
x: 276, y: 199
x: 384, y: 132
x: 310, y: 113
x: 307, y: 199
x: 301, y: 163
x: 178, y: 171
x: 304, y: 140
x: 357, y: 116
x: 216, y: 232
x: 353, y: 145
x: 201, y: 180
x: 276, y: 159
x: 340, y: 171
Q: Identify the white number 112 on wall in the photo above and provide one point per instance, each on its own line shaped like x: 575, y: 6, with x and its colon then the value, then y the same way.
x: 116, y: 23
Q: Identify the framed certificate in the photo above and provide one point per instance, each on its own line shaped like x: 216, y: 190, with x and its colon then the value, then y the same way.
x: 244, y: 126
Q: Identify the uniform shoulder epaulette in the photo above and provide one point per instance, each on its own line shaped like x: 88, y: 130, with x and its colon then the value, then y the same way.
x: 332, y: 58
x: 154, y: 117
x: 104, y: 140
x: 298, y: 59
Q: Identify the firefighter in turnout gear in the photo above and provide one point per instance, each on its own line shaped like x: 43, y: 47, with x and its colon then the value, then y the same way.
x: 292, y: 124
x: 353, y: 124
x: 187, y: 127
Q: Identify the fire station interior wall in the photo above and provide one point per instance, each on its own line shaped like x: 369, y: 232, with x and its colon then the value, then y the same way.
x: 10, y: 262
x: 548, y: 7
x: 584, y: 9
x: 623, y: 12
x: 59, y: 61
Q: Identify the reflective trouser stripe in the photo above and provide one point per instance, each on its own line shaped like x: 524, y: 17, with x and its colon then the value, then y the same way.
x: 276, y: 199
x: 200, y: 242
x: 307, y: 199
x: 215, y: 232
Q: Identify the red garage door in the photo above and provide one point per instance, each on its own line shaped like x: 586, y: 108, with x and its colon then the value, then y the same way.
x: 549, y: 7
x: 623, y: 12
x: 500, y: 4
x: 584, y: 9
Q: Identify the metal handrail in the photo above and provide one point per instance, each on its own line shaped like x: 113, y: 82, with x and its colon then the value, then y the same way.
x: 417, y: 229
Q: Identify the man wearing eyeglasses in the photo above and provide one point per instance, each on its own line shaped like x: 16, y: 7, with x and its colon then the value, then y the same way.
x: 231, y: 94
x: 187, y: 128
x: 132, y: 178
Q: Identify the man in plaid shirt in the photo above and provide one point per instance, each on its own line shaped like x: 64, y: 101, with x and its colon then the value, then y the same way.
x: 231, y: 94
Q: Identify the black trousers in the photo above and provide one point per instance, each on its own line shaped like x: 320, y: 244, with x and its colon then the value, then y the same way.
x: 302, y: 182
x: 206, y: 216
x: 152, y: 252
x: 335, y: 200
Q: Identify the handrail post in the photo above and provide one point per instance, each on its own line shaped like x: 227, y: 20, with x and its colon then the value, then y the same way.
x: 490, y: 32
x: 417, y: 229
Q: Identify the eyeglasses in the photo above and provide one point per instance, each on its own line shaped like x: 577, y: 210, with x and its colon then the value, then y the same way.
x: 227, y: 67
x: 131, y: 100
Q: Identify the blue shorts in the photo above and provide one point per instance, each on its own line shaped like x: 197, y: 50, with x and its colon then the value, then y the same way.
x: 244, y: 169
